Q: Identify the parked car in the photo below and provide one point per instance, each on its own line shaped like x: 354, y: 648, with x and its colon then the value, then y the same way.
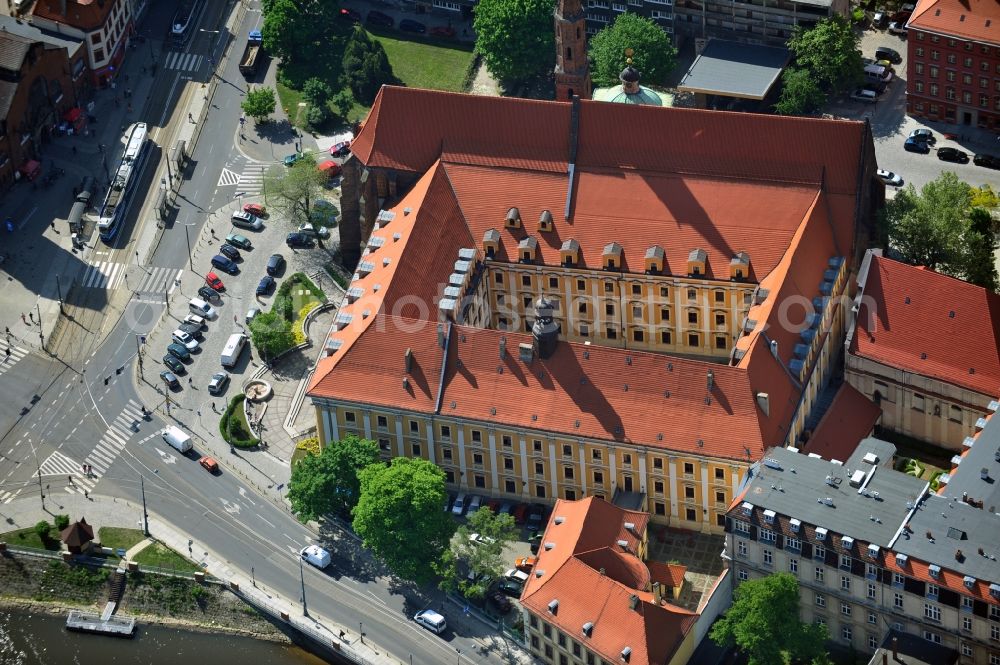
x: 257, y: 209
x: 536, y: 514
x: 298, y: 240
x: 493, y: 505
x: 923, y: 134
x: 209, y: 464
x: 218, y: 383
x: 252, y: 313
x: 170, y: 379
x: 350, y: 15
x: 525, y: 563
x: 862, y: 95
x: 916, y: 145
x: 178, y: 351
x: 213, y: 281
x: 313, y: 232
x: 176, y: 366
x: 265, y: 285
x: 289, y: 160
x: 507, y: 508
x: 445, y: 31
x: 275, y: 264
x: 880, y: 20
x: 889, y: 178
x: 878, y: 87
x: 224, y: 264
x: 194, y: 320
x: 890, y: 54
x: 340, y: 149
x: 236, y: 240
x: 181, y: 337
x: 511, y: 587
x: 534, y: 540
x: 515, y: 574
x: 501, y: 602
x: 480, y: 539
x: 380, y: 19
x: 409, y: 25
x: 207, y: 293
x: 429, y: 619
x: 989, y: 161
x: 458, y: 508
x: 245, y: 220
x: 230, y: 252
x: 475, y: 502
x: 191, y: 329
x: 947, y: 154
x: 898, y: 28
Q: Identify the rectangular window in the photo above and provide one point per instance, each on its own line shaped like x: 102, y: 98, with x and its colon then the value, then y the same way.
x: 741, y: 527
x: 350, y: 417
x: 767, y: 536
x: 897, y: 601
x: 966, y: 650
x: 691, y: 515
x: 688, y: 492
x: 693, y: 318
x: 932, y: 590
x: 382, y: 421
x: 932, y: 612
x: 845, y: 609
x: 626, y: 459
x: 845, y: 562
x: 720, y: 497
x: 932, y: 637
x: 820, y: 600
x: 553, y: 282
x: 568, y: 472
x: 539, y: 468
x: 768, y: 557
x: 446, y: 453
x: 872, y: 618
x: 598, y: 477
x: 871, y: 590
x: 477, y: 436
x: 720, y: 473
x: 638, y: 335
x: 414, y: 426
x: 445, y: 431
x: 609, y: 309
x: 507, y: 441
x: 743, y: 575
x: 793, y: 544
x: 477, y: 459
x: 845, y: 582
x: 967, y: 624
x: 415, y: 448
x: 658, y: 463
x: 508, y: 463
x: 688, y: 469
x: 664, y: 314
x: 509, y: 486
x: 793, y: 565
x: 536, y: 445
x: 819, y: 552
x: 657, y: 487
x: 480, y: 480
x: 665, y: 337
x: 846, y: 633
x: 741, y: 548
x: 526, y: 280
x: 540, y: 491
x: 692, y: 339
x: 818, y: 575
x: 994, y: 632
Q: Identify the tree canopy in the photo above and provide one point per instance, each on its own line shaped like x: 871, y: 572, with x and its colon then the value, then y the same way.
x: 830, y: 52
x: 295, y: 190
x: 400, y: 516
x: 764, y: 623
x: 484, y: 555
x: 515, y: 37
x: 800, y: 94
x: 271, y: 334
x: 366, y: 66
x: 259, y: 103
x: 292, y: 28
x: 328, y: 483
x: 653, y: 53
x: 940, y: 228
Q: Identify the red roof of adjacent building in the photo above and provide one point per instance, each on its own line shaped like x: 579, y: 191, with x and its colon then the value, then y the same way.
x: 850, y: 418
x: 594, y: 580
x: 87, y: 15
x: 976, y: 20
x: 930, y: 324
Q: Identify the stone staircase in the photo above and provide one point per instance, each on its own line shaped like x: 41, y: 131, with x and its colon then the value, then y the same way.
x: 116, y: 586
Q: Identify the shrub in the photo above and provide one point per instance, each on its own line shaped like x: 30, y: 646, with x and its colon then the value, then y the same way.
x: 304, y: 312
x: 62, y: 521
x: 310, y: 445
x: 231, y: 425
x: 42, y: 529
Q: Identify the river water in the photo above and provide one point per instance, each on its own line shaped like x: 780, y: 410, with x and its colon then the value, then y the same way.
x: 36, y: 639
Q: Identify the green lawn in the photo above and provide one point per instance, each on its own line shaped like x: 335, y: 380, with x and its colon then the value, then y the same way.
x: 422, y: 64
x: 115, y: 537
x: 28, y: 538
x: 163, y: 557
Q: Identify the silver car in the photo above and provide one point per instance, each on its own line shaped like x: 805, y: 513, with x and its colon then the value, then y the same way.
x: 218, y: 383
x: 245, y: 220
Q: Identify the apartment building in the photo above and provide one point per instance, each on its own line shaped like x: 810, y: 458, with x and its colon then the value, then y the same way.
x: 953, y: 62
x: 593, y: 599
x: 874, y: 550
x: 752, y: 21
x: 548, y: 310
x: 104, y: 26
x: 924, y: 348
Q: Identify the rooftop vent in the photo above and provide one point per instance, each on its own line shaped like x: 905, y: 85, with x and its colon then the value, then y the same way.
x: 588, y: 628
x: 630, y: 526
x: 408, y: 360
x: 526, y: 352
x: 554, y: 606
x: 623, y: 544
x: 627, y: 651
x: 710, y: 380
x: 560, y: 519
x: 549, y: 545
x: 633, y: 601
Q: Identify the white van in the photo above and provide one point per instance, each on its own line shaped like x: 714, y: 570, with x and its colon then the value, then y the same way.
x: 315, y: 555
x: 877, y: 73
x: 431, y: 620
x: 234, y: 347
x: 177, y: 438
x: 474, y: 502
x: 201, y: 308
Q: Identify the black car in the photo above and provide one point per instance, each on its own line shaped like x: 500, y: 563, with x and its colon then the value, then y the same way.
x: 500, y: 601
x: 409, y: 25
x: 207, y: 293
x: 170, y: 379
x: 265, y: 285
x: 175, y: 365
x: 379, y: 19
x: 275, y: 264
x: 298, y: 240
x: 511, y: 587
x: 230, y: 252
x: 952, y: 155
x: 536, y: 514
x: 191, y: 329
x: 886, y: 53
x: 989, y: 161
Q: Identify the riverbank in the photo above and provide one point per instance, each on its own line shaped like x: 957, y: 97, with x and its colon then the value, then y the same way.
x: 50, y: 587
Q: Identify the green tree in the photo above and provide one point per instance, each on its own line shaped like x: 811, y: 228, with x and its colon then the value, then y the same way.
x: 480, y: 544
x: 62, y: 521
x: 343, y: 102
x: 294, y: 191
x: 281, y: 32
x: 271, y: 334
x: 979, y: 250
x: 927, y: 228
x: 366, y: 66
x: 42, y: 530
x: 653, y: 54
x: 830, y: 52
x: 259, y: 103
x: 515, y: 37
x: 400, y: 518
x: 800, y: 94
x: 764, y: 623
x: 316, y: 92
x: 328, y: 483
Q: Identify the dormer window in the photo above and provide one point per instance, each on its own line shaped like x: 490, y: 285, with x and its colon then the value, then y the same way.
x: 696, y: 262
x: 545, y: 221
x: 739, y: 267
x: 612, y: 256
x: 513, y: 219
x: 934, y: 570
x: 491, y: 243
x: 655, y: 260
x: 569, y: 253
x: 747, y: 508
x: 527, y: 250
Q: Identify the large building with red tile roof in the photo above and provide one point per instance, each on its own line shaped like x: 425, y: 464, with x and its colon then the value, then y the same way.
x: 560, y: 300
x: 925, y: 347
x: 592, y: 597
x: 104, y: 26
x: 877, y: 550
x: 953, y: 62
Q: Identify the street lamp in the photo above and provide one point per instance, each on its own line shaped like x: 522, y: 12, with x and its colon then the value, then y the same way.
x: 188, y: 237
x: 302, y: 581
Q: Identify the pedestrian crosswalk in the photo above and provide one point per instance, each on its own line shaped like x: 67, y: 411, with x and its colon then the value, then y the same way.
x: 185, y: 62
x: 9, y: 355
x: 104, y: 275
x: 159, y: 281
x: 110, y: 445
x: 248, y: 177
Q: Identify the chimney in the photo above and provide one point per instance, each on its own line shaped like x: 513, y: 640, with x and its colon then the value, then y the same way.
x: 764, y: 402
x: 408, y: 360
x: 601, y: 571
x: 503, y: 348
x: 526, y: 352
x: 774, y: 348
x: 710, y: 380
x: 657, y: 593
x: 633, y: 601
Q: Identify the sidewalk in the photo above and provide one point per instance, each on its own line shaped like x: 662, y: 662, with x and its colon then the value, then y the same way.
x: 102, y: 511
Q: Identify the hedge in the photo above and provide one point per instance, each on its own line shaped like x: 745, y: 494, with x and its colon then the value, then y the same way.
x: 235, y: 433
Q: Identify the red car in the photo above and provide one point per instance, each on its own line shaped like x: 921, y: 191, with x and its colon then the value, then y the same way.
x: 494, y: 505
x: 340, y: 149
x: 255, y: 209
x: 443, y: 31
x: 213, y: 280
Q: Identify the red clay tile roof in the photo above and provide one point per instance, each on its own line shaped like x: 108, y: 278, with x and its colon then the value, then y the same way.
x: 670, y: 574
x: 977, y: 20
x: 587, y: 535
x: 87, y: 15
x: 851, y: 418
x: 930, y: 324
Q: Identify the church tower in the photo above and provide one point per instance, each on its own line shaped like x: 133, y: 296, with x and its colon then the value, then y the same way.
x: 572, y: 69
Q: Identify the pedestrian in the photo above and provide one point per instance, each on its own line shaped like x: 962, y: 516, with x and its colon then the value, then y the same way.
x: 213, y: 233
x: 6, y: 331
x: 190, y: 118
x: 213, y: 407
x: 86, y: 494
x: 23, y: 320
x: 31, y: 315
x: 70, y: 479
x: 190, y: 381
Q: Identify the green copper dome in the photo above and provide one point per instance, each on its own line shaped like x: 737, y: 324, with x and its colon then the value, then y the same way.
x: 617, y: 95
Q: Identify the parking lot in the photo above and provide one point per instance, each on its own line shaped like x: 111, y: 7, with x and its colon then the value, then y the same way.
x: 891, y: 126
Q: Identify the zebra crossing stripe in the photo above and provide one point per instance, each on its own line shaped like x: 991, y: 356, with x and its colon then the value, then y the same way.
x: 113, y: 437
x: 98, y: 463
x: 185, y: 62
x: 228, y: 177
x: 104, y: 275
